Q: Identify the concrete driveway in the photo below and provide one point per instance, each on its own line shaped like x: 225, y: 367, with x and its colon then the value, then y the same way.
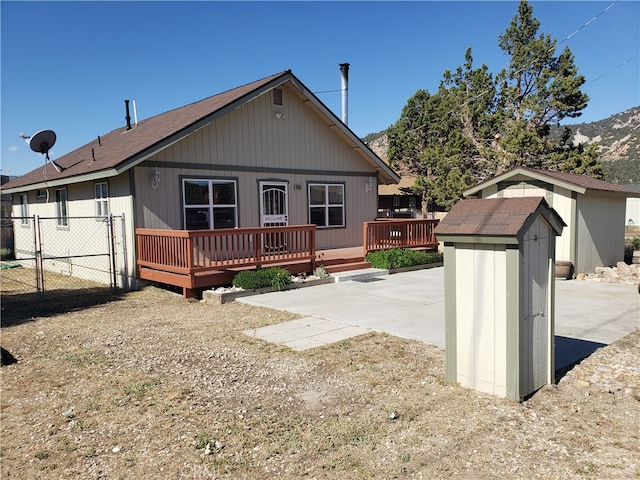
x: 410, y: 305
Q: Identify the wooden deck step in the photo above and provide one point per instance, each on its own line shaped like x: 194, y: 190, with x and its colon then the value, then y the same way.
x: 345, y: 267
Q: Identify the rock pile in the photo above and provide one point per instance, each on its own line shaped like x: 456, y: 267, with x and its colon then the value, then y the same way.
x: 621, y: 273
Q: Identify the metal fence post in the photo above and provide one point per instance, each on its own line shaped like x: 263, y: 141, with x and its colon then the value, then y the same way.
x: 125, y: 258
x: 37, y: 250
x: 112, y: 253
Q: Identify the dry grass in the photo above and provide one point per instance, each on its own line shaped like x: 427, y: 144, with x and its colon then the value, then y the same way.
x: 149, y: 385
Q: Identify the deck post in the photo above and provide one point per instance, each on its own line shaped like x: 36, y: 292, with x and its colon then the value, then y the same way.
x: 189, y: 293
x: 365, y: 240
x: 312, y: 248
x: 190, y: 256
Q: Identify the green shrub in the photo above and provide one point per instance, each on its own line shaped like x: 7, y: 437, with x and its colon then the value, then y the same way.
x: 630, y: 244
x: 277, y: 278
x: 320, y: 272
x: 6, y: 254
x: 401, y: 257
x: 280, y: 279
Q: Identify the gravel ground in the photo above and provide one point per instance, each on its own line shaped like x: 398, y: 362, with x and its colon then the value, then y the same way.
x: 150, y: 385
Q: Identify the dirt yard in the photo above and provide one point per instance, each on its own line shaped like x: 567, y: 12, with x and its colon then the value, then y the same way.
x: 151, y: 386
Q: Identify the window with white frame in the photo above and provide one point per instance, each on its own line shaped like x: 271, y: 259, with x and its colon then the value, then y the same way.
x: 326, y: 205
x: 24, y: 209
x: 61, y: 207
x: 209, y: 204
x: 102, y: 199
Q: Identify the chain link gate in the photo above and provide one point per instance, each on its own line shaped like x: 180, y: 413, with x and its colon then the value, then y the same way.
x: 55, y: 257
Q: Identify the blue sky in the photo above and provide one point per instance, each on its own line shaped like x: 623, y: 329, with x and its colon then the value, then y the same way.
x: 69, y: 66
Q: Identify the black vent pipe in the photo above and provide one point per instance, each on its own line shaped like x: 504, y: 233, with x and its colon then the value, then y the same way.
x: 126, y: 103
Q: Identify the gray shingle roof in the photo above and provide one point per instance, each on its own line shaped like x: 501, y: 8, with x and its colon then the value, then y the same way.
x: 119, y: 146
x: 120, y: 149
x: 578, y: 182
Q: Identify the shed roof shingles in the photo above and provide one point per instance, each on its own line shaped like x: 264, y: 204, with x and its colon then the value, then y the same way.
x: 495, y: 216
x: 582, y: 181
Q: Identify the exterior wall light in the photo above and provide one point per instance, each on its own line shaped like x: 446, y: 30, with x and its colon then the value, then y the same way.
x: 155, y: 179
x: 369, y: 185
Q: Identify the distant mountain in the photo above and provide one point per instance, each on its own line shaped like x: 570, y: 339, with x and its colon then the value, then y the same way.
x: 618, y: 137
x: 619, y: 140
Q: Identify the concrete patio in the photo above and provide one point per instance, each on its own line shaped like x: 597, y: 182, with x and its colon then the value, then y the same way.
x: 410, y: 305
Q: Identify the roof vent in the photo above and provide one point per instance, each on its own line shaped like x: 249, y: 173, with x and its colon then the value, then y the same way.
x: 277, y: 96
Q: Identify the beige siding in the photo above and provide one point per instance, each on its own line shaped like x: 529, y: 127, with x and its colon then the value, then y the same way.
x: 560, y: 200
x: 252, y: 136
x: 250, y: 145
x: 82, y: 236
x: 490, y: 192
x: 565, y: 206
x: 481, y: 315
x: 523, y: 190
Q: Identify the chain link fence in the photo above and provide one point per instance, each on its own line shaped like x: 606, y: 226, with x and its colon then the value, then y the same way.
x: 60, y: 257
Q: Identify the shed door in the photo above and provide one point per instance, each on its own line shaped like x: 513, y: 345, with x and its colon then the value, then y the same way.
x: 274, y: 212
x: 536, y: 360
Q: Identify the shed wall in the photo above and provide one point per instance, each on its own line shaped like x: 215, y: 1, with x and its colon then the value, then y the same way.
x: 600, y: 231
x: 481, y: 317
x: 537, y: 341
x: 560, y: 199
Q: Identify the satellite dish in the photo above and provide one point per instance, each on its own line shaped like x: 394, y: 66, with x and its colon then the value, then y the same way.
x: 42, y: 142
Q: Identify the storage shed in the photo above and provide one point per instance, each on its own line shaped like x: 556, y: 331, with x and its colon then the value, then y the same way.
x: 499, y: 294
x: 594, y: 211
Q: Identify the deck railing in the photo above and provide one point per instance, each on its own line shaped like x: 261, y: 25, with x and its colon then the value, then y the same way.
x: 189, y: 251
x: 395, y: 233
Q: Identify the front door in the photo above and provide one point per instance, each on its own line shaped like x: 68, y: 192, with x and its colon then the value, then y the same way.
x: 274, y: 212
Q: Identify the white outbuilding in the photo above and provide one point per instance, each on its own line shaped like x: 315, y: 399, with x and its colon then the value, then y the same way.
x: 499, y: 294
x: 593, y: 210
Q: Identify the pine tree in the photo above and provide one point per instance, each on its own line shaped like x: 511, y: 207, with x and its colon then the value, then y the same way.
x: 476, y: 125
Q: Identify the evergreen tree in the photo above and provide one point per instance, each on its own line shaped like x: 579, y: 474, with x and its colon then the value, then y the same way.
x: 476, y: 125
x: 536, y: 90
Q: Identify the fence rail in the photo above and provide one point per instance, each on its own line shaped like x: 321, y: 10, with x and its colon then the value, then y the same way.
x: 393, y: 233
x: 192, y: 252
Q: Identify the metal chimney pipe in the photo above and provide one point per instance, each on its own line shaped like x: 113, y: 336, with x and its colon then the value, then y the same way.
x: 126, y: 103
x: 344, y: 71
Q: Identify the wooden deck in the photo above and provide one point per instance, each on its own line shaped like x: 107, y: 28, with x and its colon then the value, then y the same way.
x: 200, y: 259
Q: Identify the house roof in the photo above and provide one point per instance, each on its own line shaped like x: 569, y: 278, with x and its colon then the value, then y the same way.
x: 496, y: 217
x: 121, y: 149
x: 401, y: 188
x: 571, y: 181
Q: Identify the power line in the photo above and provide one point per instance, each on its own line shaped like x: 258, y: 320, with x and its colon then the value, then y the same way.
x: 610, y: 71
x: 590, y: 21
x: 549, y: 51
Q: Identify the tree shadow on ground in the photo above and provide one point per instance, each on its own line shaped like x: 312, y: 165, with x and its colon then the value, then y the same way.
x: 24, y: 308
x: 570, y: 352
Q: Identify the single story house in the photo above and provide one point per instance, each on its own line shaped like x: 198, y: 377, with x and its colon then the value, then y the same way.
x: 268, y: 153
x: 398, y: 200
x: 593, y: 210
